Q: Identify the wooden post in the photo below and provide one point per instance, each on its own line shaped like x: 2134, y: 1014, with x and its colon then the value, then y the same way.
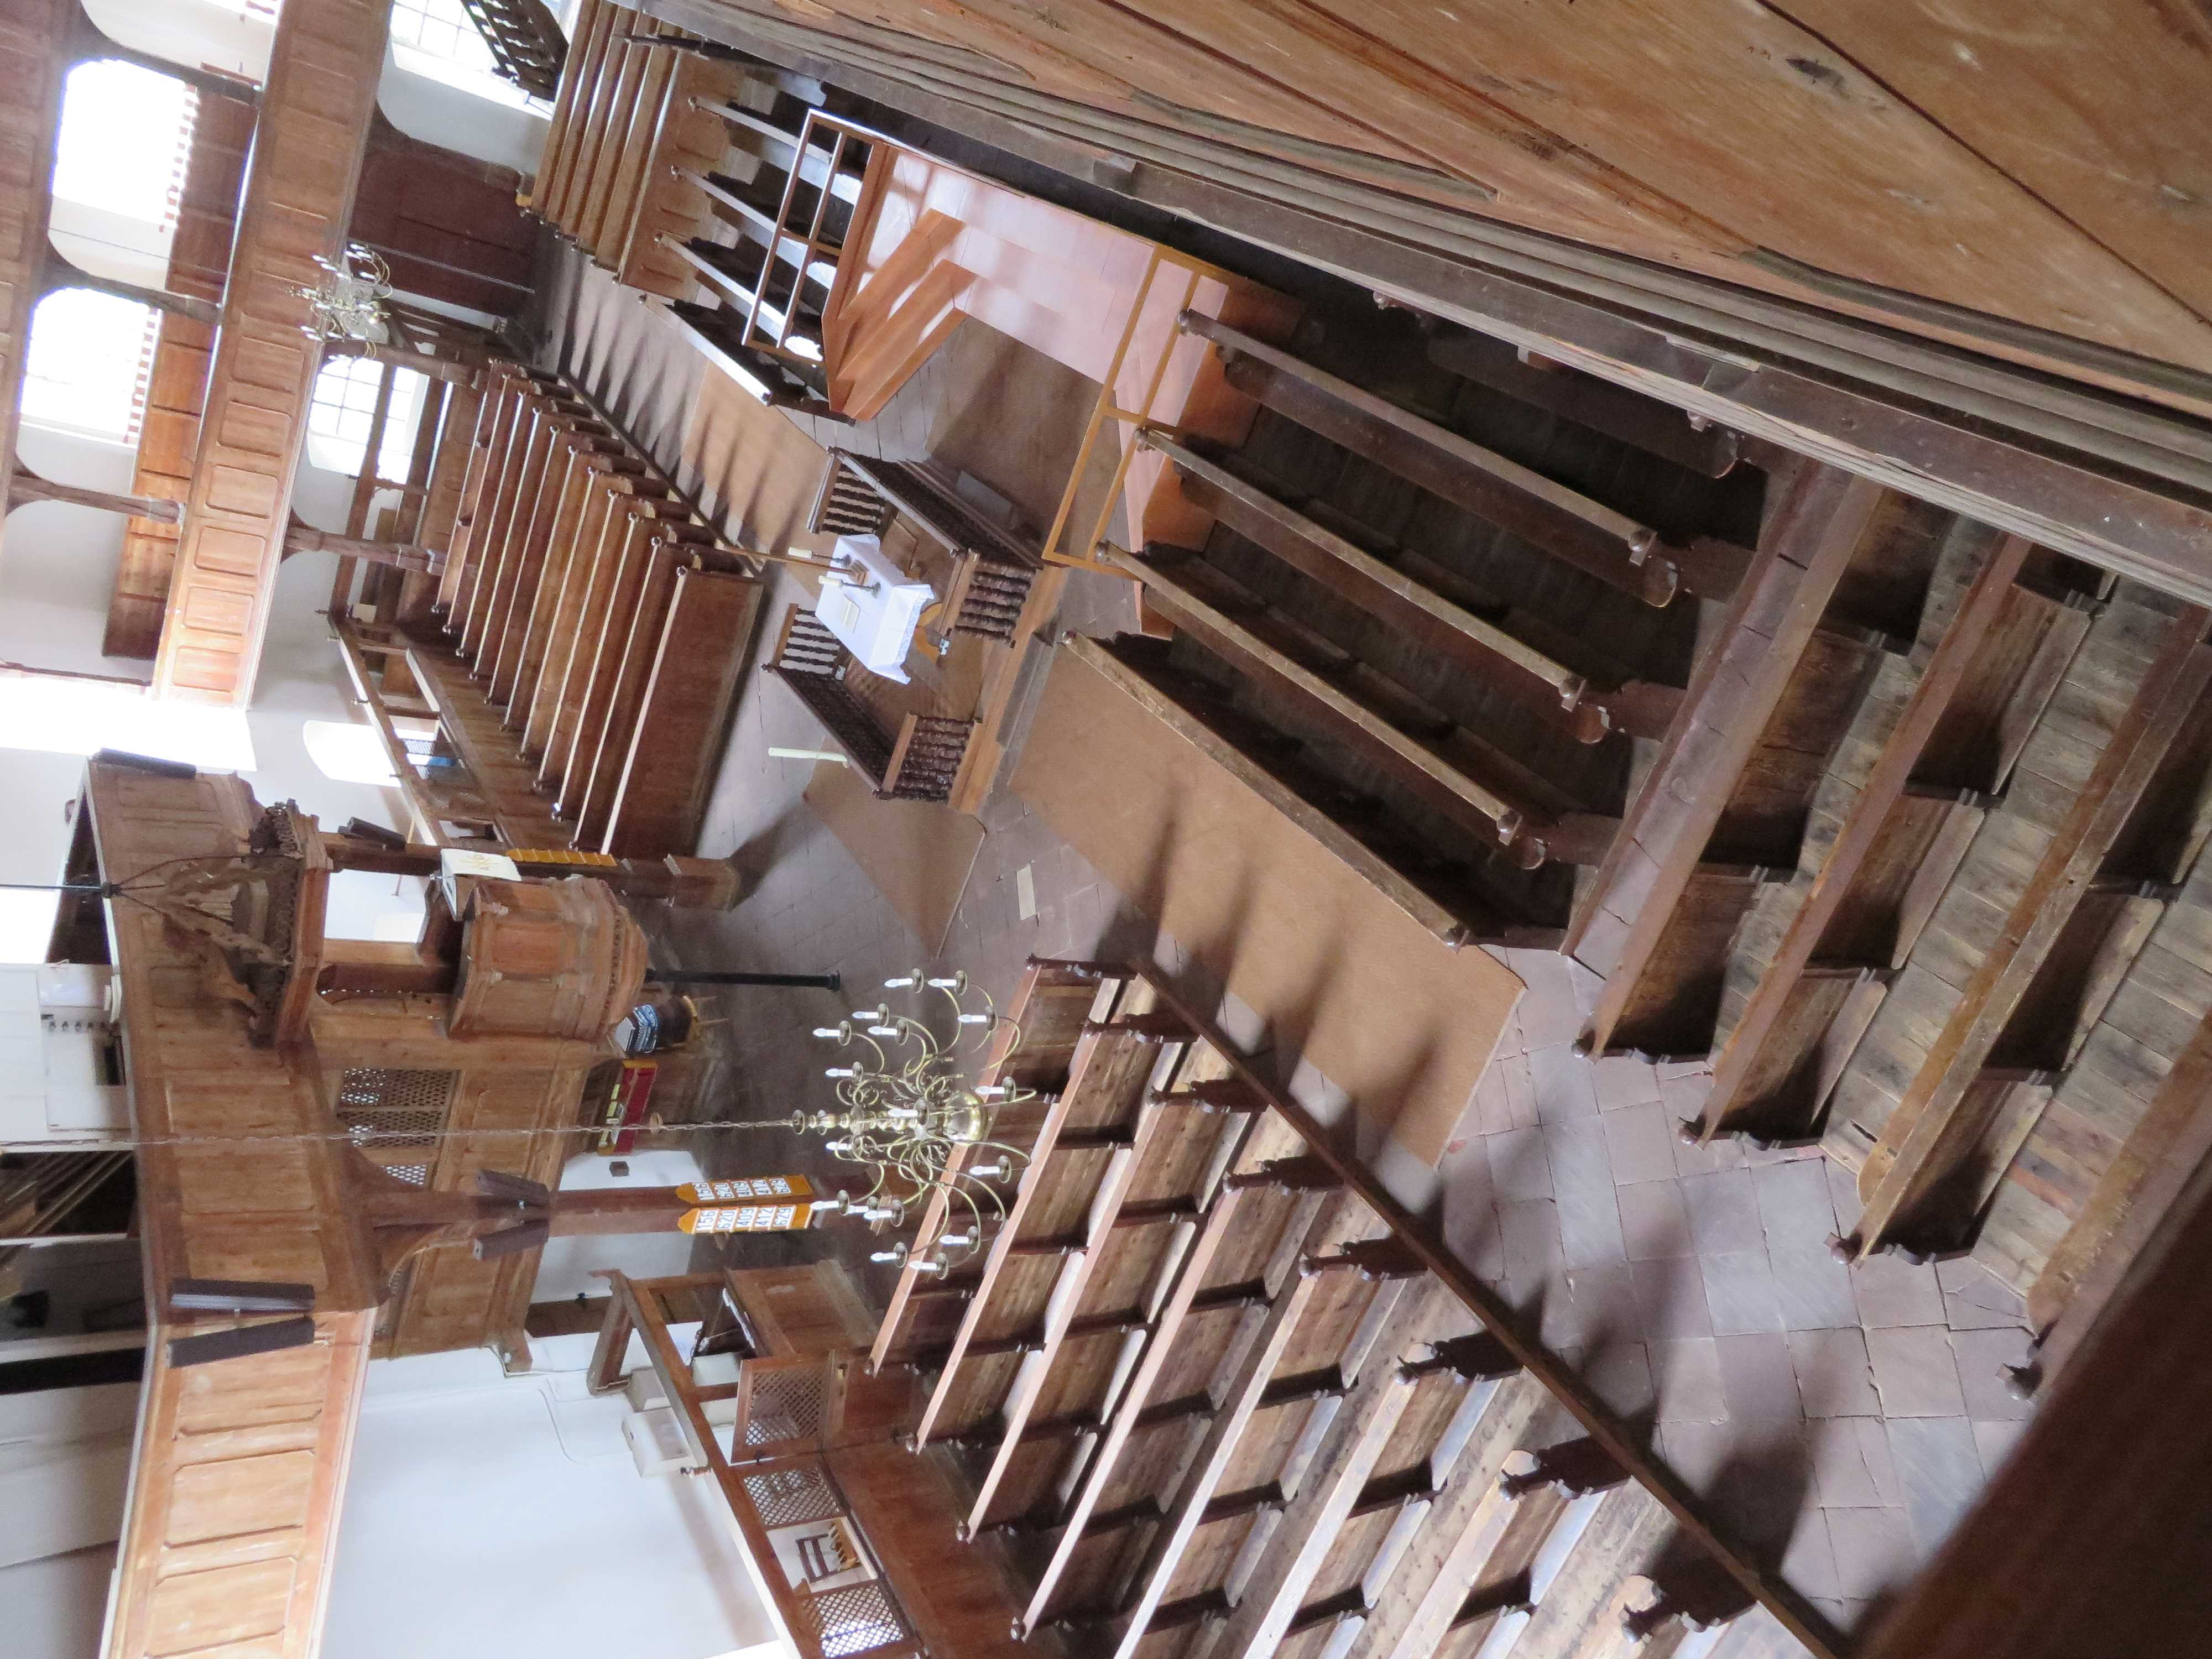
x: 58, y: 273
x: 26, y: 487
x: 306, y: 538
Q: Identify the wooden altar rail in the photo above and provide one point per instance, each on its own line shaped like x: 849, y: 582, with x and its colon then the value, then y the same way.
x: 920, y: 760
x: 993, y: 566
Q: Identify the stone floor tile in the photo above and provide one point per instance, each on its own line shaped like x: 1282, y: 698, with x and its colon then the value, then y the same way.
x: 1808, y: 1564
x: 1692, y: 1159
x: 1520, y: 1090
x: 1697, y: 1451
x: 1814, y: 1289
x: 1546, y: 1010
x: 1940, y: 1469
x: 1464, y: 1170
x: 1723, y: 1212
x: 1873, y: 1550
x: 1491, y: 1113
x: 1475, y: 1234
x: 1625, y: 1082
x: 1672, y: 1293
x: 1686, y: 1377
x: 1757, y: 1378
x: 1843, y: 1195
x: 1739, y: 1293
x: 1655, y: 1221
x: 1834, y: 1376
x: 1852, y: 1464
x: 1590, y: 1226
x: 1684, y: 1090
x: 1994, y: 1442
x: 1793, y: 1205
x: 1533, y: 1254
x: 1914, y: 1372
x: 1641, y: 1141
x: 1848, y: 1615
x: 1891, y: 1291
x: 1575, y: 1150
x: 1606, y: 1313
x: 1981, y: 1357
x: 1518, y: 1167
x: 1560, y: 1079
x: 1979, y: 1301
x: 1621, y: 1372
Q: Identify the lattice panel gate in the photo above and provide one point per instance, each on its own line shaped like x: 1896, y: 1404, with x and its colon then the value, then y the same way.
x: 395, y: 1116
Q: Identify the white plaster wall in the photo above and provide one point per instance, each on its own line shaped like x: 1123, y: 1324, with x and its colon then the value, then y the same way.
x: 55, y: 1607
x: 198, y: 33
x: 487, y: 1514
x: 64, y: 1454
x: 565, y: 1266
x: 57, y: 571
x: 194, y: 32
x: 109, y: 244
x: 489, y: 128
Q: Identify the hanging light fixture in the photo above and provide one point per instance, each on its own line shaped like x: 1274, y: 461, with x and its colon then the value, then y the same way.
x: 349, y: 302
x: 908, y: 1106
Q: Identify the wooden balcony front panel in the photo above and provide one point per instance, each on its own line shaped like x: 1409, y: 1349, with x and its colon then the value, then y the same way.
x: 176, y: 391
x: 235, y: 1496
x: 316, y: 106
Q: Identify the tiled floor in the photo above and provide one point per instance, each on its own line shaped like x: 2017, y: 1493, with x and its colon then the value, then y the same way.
x: 1841, y: 1418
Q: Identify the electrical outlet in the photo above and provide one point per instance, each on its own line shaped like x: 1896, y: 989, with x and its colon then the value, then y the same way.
x: 1025, y: 890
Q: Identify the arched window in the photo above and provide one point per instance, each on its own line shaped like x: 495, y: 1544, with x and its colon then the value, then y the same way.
x: 86, y: 368
x: 119, y: 161
x: 345, y: 752
x: 124, y: 141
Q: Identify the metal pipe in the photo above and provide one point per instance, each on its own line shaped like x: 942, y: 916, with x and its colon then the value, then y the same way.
x: 716, y: 977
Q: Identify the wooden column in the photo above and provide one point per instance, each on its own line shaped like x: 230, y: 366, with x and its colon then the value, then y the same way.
x: 26, y: 487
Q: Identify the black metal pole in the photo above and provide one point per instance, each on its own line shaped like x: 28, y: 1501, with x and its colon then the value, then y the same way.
x: 818, y: 981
